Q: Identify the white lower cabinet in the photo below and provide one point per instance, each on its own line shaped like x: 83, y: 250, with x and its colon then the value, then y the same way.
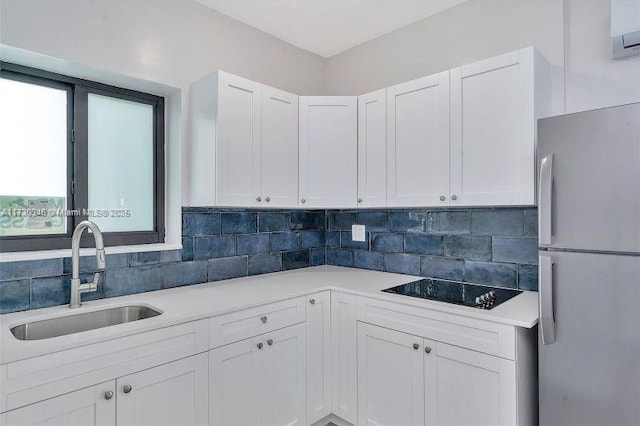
x: 318, y: 355
x: 235, y: 383
x: 84, y: 407
x: 326, y: 356
x: 391, y: 387
x: 465, y: 387
x: 171, y: 394
x: 284, y: 377
x: 344, y: 356
x: 259, y: 381
x: 407, y: 380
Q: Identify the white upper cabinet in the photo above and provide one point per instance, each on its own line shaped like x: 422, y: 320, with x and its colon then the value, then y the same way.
x: 279, y: 148
x: 238, y: 141
x: 494, y: 107
x: 464, y: 137
x: 372, y: 149
x: 418, y: 142
x: 244, y: 143
x: 328, y: 151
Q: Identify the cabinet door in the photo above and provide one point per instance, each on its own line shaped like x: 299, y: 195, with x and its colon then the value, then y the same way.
x: 390, y: 377
x: 170, y: 394
x: 238, y: 141
x: 328, y: 151
x: 372, y: 149
x: 344, y: 356
x: 284, y: 376
x: 418, y: 142
x: 84, y: 407
x: 279, y: 148
x: 235, y: 383
x: 465, y: 387
x: 493, y: 131
x: 318, y: 353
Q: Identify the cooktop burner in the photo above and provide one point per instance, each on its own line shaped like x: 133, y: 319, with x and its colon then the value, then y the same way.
x: 475, y: 295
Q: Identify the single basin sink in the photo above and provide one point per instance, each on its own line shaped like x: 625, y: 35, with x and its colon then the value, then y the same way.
x: 61, y: 326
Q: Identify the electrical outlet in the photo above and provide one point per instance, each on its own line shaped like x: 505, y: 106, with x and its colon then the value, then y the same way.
x: 358, y: 233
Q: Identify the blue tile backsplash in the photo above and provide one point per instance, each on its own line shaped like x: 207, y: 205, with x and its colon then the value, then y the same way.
x: 489, y: 246
x: 496, y: 246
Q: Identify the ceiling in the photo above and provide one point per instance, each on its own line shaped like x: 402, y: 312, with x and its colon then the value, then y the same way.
x: 328, y: 27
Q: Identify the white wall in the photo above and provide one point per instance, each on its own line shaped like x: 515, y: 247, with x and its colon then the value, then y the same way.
x: 466, y: 33
x: 169, y: 41
x: 593, y: 79
x: 573, y: 35
x: 172, y: 42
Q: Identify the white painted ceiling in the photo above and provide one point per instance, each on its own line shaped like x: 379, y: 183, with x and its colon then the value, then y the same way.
x: 328, y: 27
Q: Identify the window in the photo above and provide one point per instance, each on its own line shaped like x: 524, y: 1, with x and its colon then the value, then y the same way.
x: 72, y: 150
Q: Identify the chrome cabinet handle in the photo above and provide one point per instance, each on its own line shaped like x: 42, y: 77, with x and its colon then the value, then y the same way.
x: 259, y: 345
x: 416, y: 346
x: 427, y: 349
x: 443, y: 198
x: 258, y: 199
x: 108, y: 395
x: 312, y: 301
x: 303, y: 201
x: 263, y: 319
x: 359, y: 200
x: 127, y: 388
x: 267, y: 199
x: 545, y: 207
x: 270, y: 342
x: 454, y: 197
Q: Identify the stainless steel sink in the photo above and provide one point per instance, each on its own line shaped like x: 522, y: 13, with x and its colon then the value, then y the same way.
x: 61, y: 326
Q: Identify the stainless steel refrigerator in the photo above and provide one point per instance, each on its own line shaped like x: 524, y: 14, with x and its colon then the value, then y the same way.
x: 589, y: 267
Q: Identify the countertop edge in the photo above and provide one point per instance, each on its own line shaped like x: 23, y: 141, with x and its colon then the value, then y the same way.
x: 499, y: 314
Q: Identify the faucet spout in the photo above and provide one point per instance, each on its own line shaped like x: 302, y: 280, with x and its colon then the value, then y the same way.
x: 78, y: 288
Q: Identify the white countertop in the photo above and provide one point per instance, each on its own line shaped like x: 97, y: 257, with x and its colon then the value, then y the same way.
x: 189, y: 303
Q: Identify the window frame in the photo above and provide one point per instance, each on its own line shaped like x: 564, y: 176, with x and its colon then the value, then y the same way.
x: 77, y: 160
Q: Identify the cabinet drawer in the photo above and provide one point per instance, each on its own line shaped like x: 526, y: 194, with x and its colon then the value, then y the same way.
x: 479, y: 335
x: 35, y: 379
x: 236, y: 326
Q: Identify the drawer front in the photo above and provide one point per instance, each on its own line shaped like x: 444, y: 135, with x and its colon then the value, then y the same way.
x: 42, y: 377
x: 240, y: 325
x: 478, y: 335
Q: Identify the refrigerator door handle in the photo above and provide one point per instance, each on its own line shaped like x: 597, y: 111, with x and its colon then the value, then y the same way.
x: 545, y: 295
x: 544, y: 200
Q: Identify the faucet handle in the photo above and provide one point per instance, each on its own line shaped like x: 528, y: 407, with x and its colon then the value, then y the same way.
x: 90, y: 285
x: 96, y: 278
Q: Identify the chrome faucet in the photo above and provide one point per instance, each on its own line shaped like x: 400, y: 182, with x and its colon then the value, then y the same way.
x: 76, y: 287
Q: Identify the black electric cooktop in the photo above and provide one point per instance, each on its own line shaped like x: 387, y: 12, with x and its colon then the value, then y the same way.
x: 475, y: 295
